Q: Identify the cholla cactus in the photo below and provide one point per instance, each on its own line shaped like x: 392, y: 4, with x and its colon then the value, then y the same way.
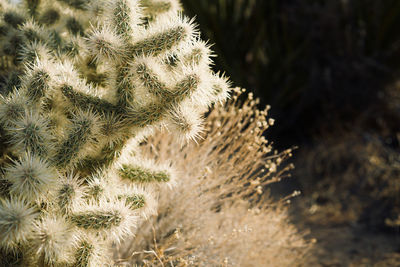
x: 84, y: 82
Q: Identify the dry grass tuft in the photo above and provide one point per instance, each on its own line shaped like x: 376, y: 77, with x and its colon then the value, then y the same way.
x: 220, y: 213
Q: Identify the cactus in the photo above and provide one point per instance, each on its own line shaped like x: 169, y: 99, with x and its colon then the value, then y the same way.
x: 83, y: 83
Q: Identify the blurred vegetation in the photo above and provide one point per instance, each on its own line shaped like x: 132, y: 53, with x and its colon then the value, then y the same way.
x: 352, y: 175
x: 314, y: 61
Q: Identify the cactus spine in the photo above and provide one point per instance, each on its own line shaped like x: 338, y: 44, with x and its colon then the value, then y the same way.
x: 83, y: 83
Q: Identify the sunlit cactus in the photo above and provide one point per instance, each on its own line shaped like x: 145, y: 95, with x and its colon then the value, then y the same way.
x: 83, y: 83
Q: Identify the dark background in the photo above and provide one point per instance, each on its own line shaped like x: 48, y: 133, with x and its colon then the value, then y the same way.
x: 315, y: 62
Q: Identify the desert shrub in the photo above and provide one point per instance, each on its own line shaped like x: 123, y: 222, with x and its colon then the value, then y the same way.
x: 220, y: 212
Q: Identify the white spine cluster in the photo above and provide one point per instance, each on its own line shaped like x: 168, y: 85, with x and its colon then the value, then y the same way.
x: 80, y: 93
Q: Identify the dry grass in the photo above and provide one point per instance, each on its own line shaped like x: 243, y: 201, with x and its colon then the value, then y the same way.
x: 220, y: 213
